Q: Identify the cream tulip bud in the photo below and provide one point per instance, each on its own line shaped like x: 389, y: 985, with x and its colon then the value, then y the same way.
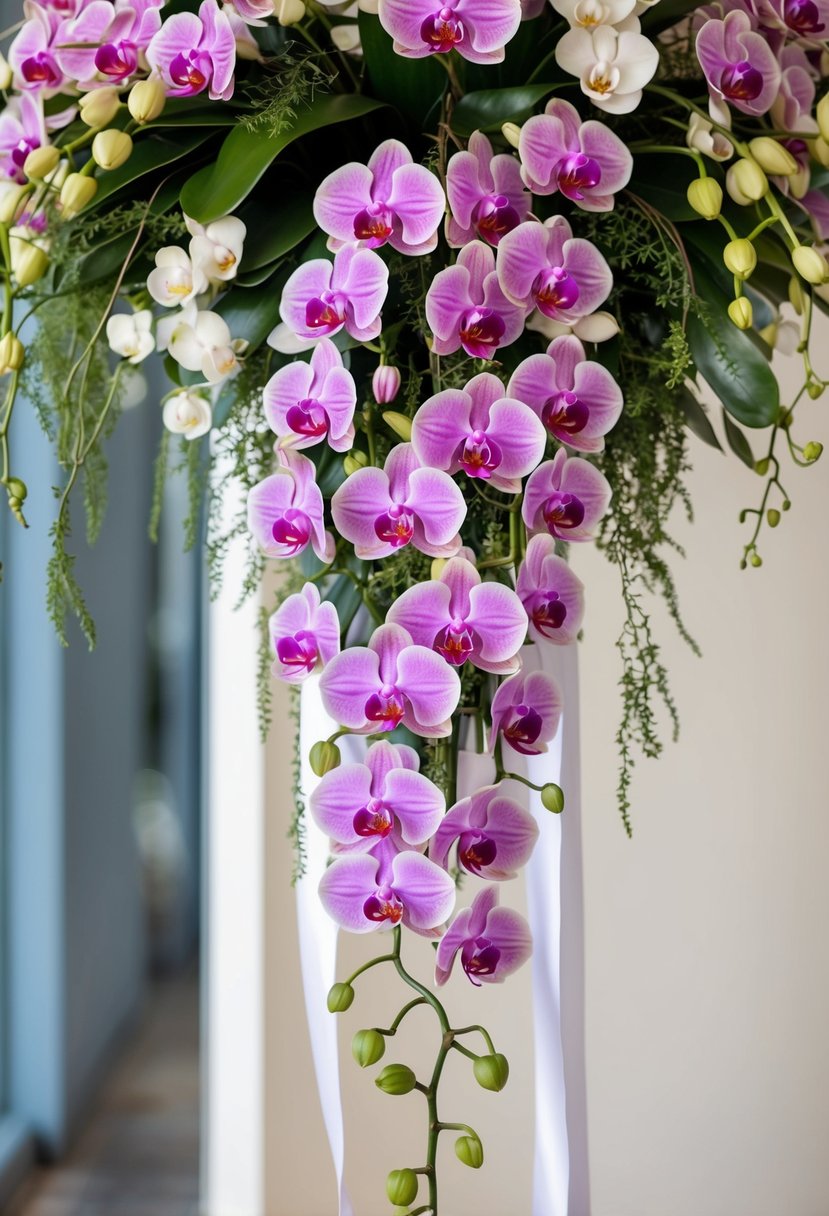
x: 740, y: 257
x: 810, y: 265
x: 12, y: 202
x: 741, y: 312
x: 746, y: 182
x: 78, y: 190
x: 822, y: 116
x: 41, y: 162
x: 147, y: 99
x: 100, y: 106
x: 511, y: 133
x: 111, y: 148
x: 29, y: 262
x: 705, y: 196
x: 399, y: 423
x: 289, y: 12
x: 11, y: 359
x: 820, y: 151
x: 772, y: 156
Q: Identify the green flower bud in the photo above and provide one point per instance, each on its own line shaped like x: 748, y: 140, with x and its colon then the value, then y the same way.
x: 796, y: 295
x: 76, y: 192
x: 786, y: 505
x: 705, y: 196
x: 111, y: 149
x: 41, y: 162
x: 511, y: 133
x: 470, y: 1151
x: 401, y: 1187
x: 812, y: 451
x: 740, y: 257
x: 340, y: 998
x: 552, y: 798
x: 772, y: 156
x: 367, y: 1047
x: 491, y: 1072
x: 13, y: 202
x: 147, y: 99
x: 11, y: 354
x: 100, y: 106
x: 773, y: 517
x: 354, y: 461
x: 746, y: 182
x: 741, y: 312
x: 29, y: 262
x: 814, y: 389
x: 17, y: 488
x: 323, y: 757
x: 810, y: 265
x: 756, y: 560
x: 820, y: 151
x: 15, y: 503
x: 761, y: 467
x: 396, y: 1079
x: 399, y: 423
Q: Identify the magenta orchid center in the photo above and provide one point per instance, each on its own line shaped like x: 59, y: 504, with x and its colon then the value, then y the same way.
x: 39, y: 69
x: 442, y: 30
x: 395, y: 527
x: 190, y: 70
x: 741, y: 82
x: 523, y: 728
x: 480, y: 332
x: 374, y: 224
x: 24, y: 146
x: 298, y: 651
x: 308, y: 418
x: 456, y: 643
x: 386, y: 707
x: 476, y: 850
x: 117, y: 58
x: 292, y: 529
x: 374, y: 819
x: 803, y: 17
x: 548, y: 613
x: 480, y: 455
x: 493, y: 217
x: 576, y: 173
x: 563, y: 511
x: 479, y: 957
x: 326, y: 311
x: 565, y: 412
x: 384, y: 905
x: 555, y: 291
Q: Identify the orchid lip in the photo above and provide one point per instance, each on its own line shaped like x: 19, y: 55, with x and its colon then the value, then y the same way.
x: 325, y: 312
x: 298, y: 651
x: 374, y: 224
x: 374, y: 819
x: 395, y: 527
x: 480, y: 331
x: 565, y: 412
x: 741, y: 82
x: 802, y: 16
x: 384, y: 906
x: 562, y: 512
x: 576, y: 173
x: 293, y: 529
x: 38, y: 70
x: 480, y: 455
x: 476, y: 851
x: 442, y: 30
x: 555, y: 291
x: 308, y: 418
x: 479, y: 957
x: 385, y: 707
x: 549, y: 614
x: 116, y: 59
x: 186, y: 70
x: 493, y: 217
x: 524, y: 728
x: 456, y: 643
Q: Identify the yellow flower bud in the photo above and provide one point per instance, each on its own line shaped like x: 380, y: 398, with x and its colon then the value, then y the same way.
x: 820, y: 151
x: 111, y: 148
x: 810, y: 265
x: 289, y: 12
x: 438, y: 564
x: 822, y: 116
x: 147, y: 99
x: 76, y: 192
x: 511, y: 133
x: 354, y: 461
x: 12, y: 202
x: 17, y: 489
x: 741, y: 312
x: 815, y: 389
x: 705, y: 196
x: 399, y: 423
x: 29, y: 262
x: 772, y: 156
x: 100, y: 106
x: 812, y: 451
x: 740, y: 257
x: 41, y: 162
x: 11, y: 358
x: 746, y: 182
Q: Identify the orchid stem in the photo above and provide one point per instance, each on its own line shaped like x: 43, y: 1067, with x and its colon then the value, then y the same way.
x: 383, y: 958
x: 481, y: 1031
x: 419, y: 1000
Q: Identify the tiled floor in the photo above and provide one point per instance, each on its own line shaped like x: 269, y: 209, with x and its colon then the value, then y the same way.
x: 139, y: 1154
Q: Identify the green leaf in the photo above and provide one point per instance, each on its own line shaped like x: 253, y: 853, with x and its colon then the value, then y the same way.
x: 698, y: 421
x: 488, y: 109
x: 148, y: 155
x: 253, y: 313
x: 245, y: 155
x: 412, y: 86
x: 274, y: 230
x: 662, y: 180
x: 737, y: 442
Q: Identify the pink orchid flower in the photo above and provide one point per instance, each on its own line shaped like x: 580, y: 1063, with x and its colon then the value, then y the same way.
x: 739, y: 65
x: 22, y: 129
x: 493, y: 942
x: 385, y: 798
x: 495, y: 835
x: 390, y: 199
x: 466, y: 307
x: 368, y: 891
x: 552, y: 595
x: 477, y: 29
x: 526, y: 712
x: 32, y: 55
x: 586, y: 161
x: 567, y: 497
x: 192, y: 53
x: 577, y: 400
x: 285, y: 511
x: 322, y: 297
x: 381, y: 510
x: 311, y: 402
x: 461, y: 618
x: 546, y: 267
x: 374, y: 688
x: 480, y: 430
x: 485, y: 192
x: 115, y: 38
x: 305, y: 635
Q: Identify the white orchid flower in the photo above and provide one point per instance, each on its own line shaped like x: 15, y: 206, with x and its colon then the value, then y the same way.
x: 131, y: 335
x: 702, y: 137
x: 175, y: 280
x: 285, y: 341
x: 189, y: 414
x: 612, y: 67
x: 591, y: 13
x: 203, y: 344
x: 598, y: 326
x: 216, y: 249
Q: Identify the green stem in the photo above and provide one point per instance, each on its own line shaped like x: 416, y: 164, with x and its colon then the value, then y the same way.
x: 419, y: 1000
x: 383, y: 958
x: 481, y: 1031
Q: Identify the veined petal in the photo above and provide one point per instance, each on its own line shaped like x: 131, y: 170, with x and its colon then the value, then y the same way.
x: 344, y: 888
x: 440, y: 426
x: 519, y: 434
x: 438, y: 504
x: 431, y: 686
x: 338, y: 797
x: 498, y: 617
x: 427, y: 891
x: 422, y: 610
x: 418, y: 200
x: 346, y: 684
x: 417, y: 803
x: 358, y: 503
x: 340, y: 197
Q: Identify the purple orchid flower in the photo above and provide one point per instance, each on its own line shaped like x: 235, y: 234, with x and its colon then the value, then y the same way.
x: 526, y: 712
x: 368, y: 891
x: 586, y: 161
x: 381, y: 510
x: 321, y: 297
x: 114, y: 38
x: 480, y: 431
x: 466, y: 307
x: 309, y: 402
x: 390, y: 199
x: 485, y: 192
x: 577, y: 400
x: 738, y: 63
x: 305, y: 635
x: 385, y: 798
x: 22, y: 129
x: 493, y: 942
x: 463, y: 618
x: 495, y: 835
x: 374, y: 688
x: 32, y: 54
x: 793, y: 106
x: 566, y: 497
x: 816, y: 205
x: 805, y: 19
x: 545, y: 266
x: 477, y: 29
x: 552, y: 595
x: 192, y: 53
x: 285, y: 511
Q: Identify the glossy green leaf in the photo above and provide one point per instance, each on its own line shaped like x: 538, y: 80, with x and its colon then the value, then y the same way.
x: 737, y: 441
x: 488, y: 109
x: 148, y: 155
x: 245, y: 155
x: 662, y: 180
x: 698, y: 421
x: 412, y: 86
x: 253, y: 313
x: 274, y: 230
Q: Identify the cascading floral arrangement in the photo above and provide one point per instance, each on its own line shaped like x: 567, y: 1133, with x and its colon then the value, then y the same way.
x: 497, y: 217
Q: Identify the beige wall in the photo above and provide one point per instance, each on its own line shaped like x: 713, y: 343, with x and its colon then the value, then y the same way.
x: 707, y: 976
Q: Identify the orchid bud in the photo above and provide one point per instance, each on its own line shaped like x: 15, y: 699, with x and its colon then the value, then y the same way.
x: 511, y: 133
x: 76, y: 192
x: 401, y: 1187
x: 29, y: 262
x: 111, y: 148
x: 42, y: 161
x: 741, y: 312
x: 340, y: 998
x: 12, y: 202
x: 399, y: 423
x: 773, y: 517
x: 797, y: 298
x: 740, y: 257
x: 396, y: 1079
x: 100, y: 106
x: 552, y: 798
x: 820, y: 151
x: 324, y: 757
x: 812, y: 451
x: 354, y: 461
x: 11, y: 354
x: 17, y: 489
x: 822, y: 116
x: 810, y: 264
x: 746, y: 182
x: 815, y: 389
x: 6, y: 73
x: 367, y: 1047
x: 756, y: 560
x: 470, y: 1151
x: 761, y: 467
x: 147, y: 99
x: 385, y: 384
x: 491, y: 1072
x: 289, y: 12
x: 705, y: 196
x: 772, y: 156
x: 437, y: 566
